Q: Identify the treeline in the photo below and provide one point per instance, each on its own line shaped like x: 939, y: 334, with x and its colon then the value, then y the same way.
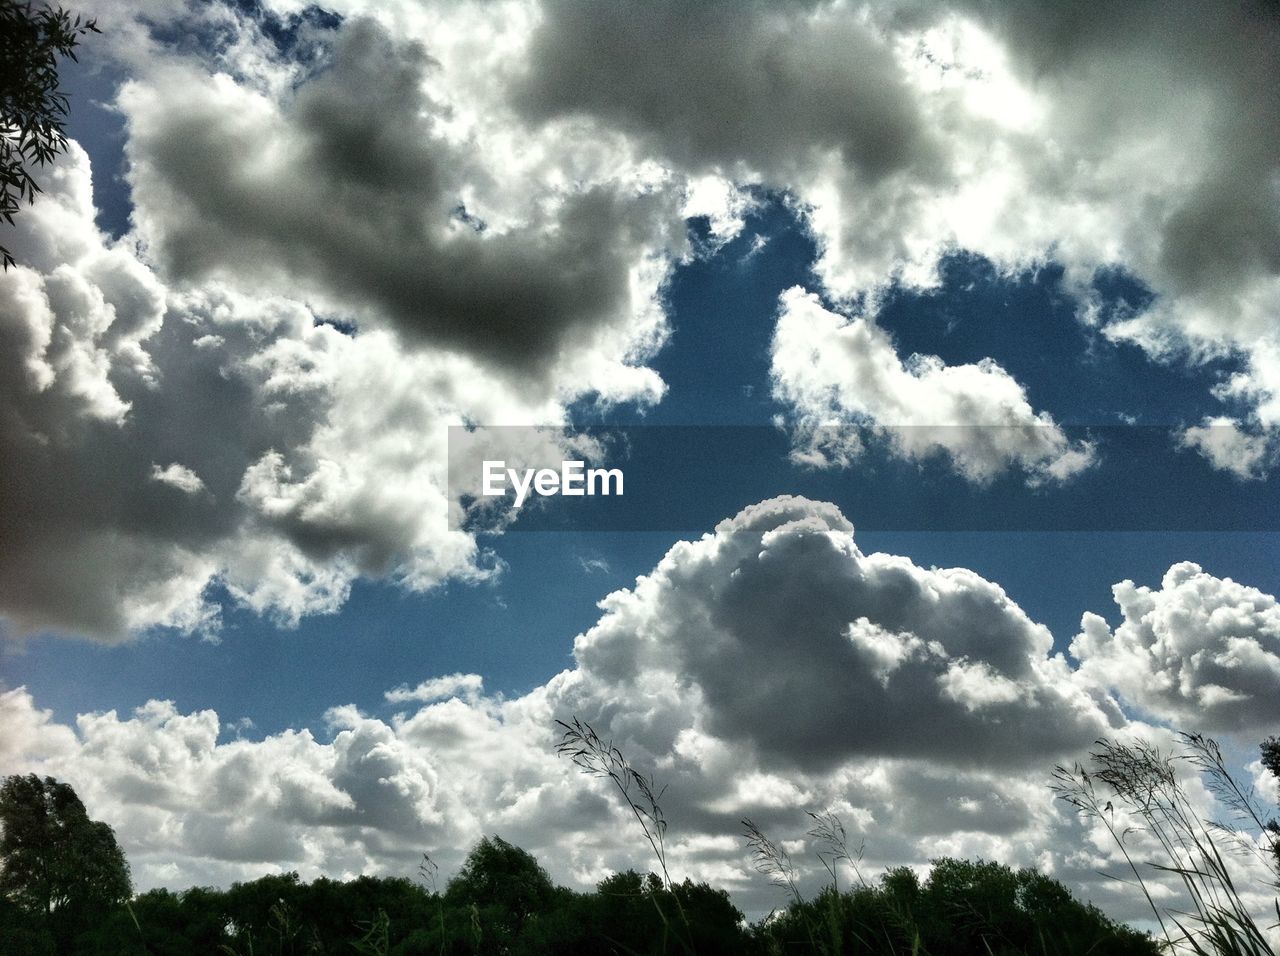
x: 503, y: 901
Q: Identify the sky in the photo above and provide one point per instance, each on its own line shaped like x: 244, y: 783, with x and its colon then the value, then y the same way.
x: 938, y: 345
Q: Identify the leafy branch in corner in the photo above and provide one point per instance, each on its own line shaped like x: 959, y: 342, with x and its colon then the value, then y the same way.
x: 33, y: 110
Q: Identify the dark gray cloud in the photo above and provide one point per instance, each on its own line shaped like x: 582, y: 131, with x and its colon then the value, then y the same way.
x: 351, y: 192
x: 793, y: 642
x: 739, y: 86
x: 158, y: 442
x: 1163, y: 58
x: 1143, y: 136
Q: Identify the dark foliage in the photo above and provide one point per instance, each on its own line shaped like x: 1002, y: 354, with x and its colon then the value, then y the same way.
x: 963, y: 907
x: 502, y: 902
x: 60, y: 872
x: 72, y: 896
x: 1271, y: 760
x: 32, y: 110
x: 1271, y: 755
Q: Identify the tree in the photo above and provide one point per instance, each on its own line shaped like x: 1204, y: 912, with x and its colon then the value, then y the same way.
x: 1271, y: 755
x: 500, y: 875
x: 55, y: 863
x: 1271, y: 760
x: 32, y: 109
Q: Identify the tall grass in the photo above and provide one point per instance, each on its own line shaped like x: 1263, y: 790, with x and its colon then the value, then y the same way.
x: 773, y: 861
x: 597, y: 757
x: 1138, y: 782
x: 429, y: 873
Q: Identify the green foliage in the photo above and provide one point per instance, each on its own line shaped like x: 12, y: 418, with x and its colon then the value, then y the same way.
x: 507, y: 887
x: 60, y: 872
x: 497, y: 874
x: 32, y: 110
x: 502, y: 902
x: 964, y: 907
x: 1271, y: 760
x: 1271, y: 755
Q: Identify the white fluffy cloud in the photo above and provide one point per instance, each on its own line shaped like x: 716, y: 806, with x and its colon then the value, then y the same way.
x: 1222, y: 440
x: 835, y: 372
x: 1201, y: 652
x: 1140, y: 138
x: 764, y: 669
x: 352, y: 191
x: 903, y: 132
x: 172, y: 440
x: 493, y: 194
x: 781, y: 636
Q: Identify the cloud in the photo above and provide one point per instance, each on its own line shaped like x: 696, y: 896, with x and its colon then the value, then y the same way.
x: 466, y: 686
x: 351, y: 189
x: 173, y: 440
x: 366, y: 795
x: 593, y: 565
x: 790, y: 641
x: 493, y: 197
x: 764, y: 669
x: 754, y: 90
x: 1201, y: 652
x: 1140, y: 139
x: 1227, y: 446
x: 902, y: 132
x: 835, y: 371
x: 180, y: 477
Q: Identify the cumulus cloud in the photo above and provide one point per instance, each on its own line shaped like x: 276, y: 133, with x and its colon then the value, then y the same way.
x: 363, y: 794
x: 466, y: 686
x: 836, y: 371
x: 753, y: 90
x: 922, y: 705
x: 187, y: 405
x: 764, y: 669
x: 353, y: 190
x: 1140, y: 138
x: 493, y: 196
x: 790, y: 641
x: 171, y: 440
x: 180, y: 477
x: 1201, y: 652
x: 529, y: 133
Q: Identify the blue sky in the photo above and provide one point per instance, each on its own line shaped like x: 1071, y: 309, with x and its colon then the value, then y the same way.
x: 315, y: 240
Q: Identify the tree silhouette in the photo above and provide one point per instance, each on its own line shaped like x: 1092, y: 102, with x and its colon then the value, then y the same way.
x: 56, y: 864
x: 1271, y: 755
x: 1271, y: 760
x: 32, y: 109
x: 505, y: 884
